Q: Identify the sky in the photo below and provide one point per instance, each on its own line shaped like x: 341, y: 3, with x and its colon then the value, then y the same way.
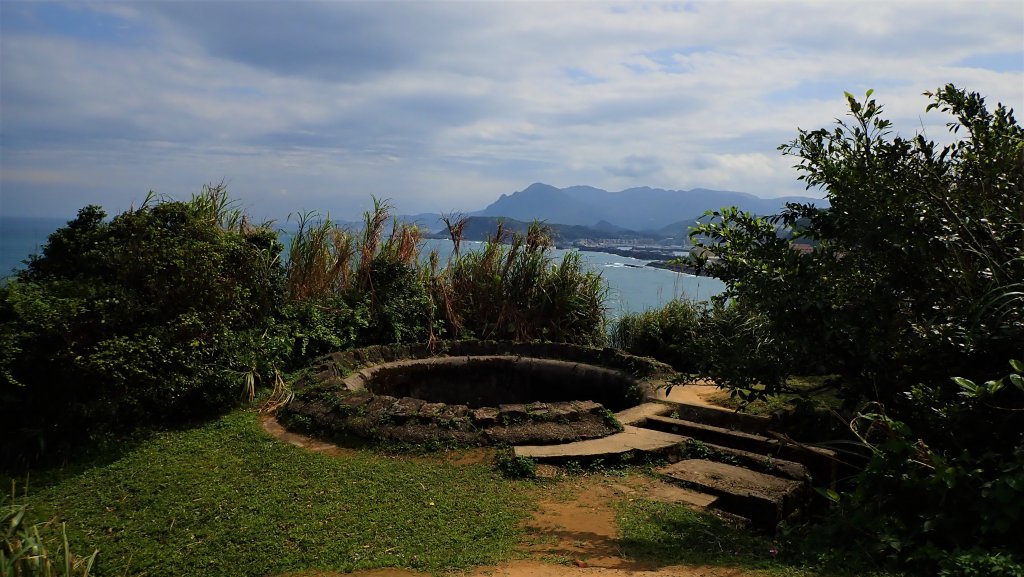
x: 443, y: 106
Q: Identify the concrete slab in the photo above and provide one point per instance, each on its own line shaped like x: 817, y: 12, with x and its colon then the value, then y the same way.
x: 713, y: 434
x: 682, y: 496
x: 820, y: 462
x: 630, y: 439
x: 692, y: 407
x: 754, y: 461
x: 764, y: 499
x: 640, y: 413
x: 693, y: 394
x: 669, y: 493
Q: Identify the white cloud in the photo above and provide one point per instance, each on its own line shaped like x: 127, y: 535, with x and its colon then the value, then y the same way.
x: 444, y: 106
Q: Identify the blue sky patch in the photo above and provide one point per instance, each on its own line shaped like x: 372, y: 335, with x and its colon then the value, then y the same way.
x: 1004, y: 62
x: 71, y: 21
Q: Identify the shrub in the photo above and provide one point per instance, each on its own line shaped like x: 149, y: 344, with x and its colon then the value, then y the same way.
x: 515, y: 467
x: 514, y: 291
x: 156, y: 316
x: 671, y: 334
x: 916, y: 274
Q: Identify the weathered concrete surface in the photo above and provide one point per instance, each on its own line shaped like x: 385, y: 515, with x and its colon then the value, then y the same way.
x: 337, y: 413
x: 337, y: 365
x: 630, y: 439
x: 481, y: 381
x: 709, y: 414
x: 638, y: 414
x: 712, y: 434
x: 754, y: 461
x: 764, y: 499
x: 682, y: 496
x: 820, y: 462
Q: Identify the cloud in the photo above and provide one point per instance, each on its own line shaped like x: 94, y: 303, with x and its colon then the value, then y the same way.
x: 635, y: 167
x: 444, y: 106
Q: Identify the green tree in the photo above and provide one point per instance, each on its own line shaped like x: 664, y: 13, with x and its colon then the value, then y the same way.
x: 916, y: 275
x: 918, y: 265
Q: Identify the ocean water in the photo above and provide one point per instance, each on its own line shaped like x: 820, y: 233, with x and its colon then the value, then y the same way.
x: 633, y: 287
x: 21, y: 237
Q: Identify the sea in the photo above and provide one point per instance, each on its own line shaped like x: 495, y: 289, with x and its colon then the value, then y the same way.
x: 633, y: 286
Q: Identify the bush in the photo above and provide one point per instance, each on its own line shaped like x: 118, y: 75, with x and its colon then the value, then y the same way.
x: 726, y: 343
x: 515, y: 292
x: 515, y: 467
x: 671, y: 334
x: 156, y: 316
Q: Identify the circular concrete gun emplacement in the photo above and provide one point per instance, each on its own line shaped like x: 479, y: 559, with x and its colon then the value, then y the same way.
x: 561, y: 403
x: 473, y: 393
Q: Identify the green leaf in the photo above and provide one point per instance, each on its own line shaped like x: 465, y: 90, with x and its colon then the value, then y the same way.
x: 1017, y: 365
x: 966, y: 384
x: 1017, y: 381
x: 829, y: 494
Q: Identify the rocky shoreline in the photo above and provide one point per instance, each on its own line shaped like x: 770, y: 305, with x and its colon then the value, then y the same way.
x: 665, y: 259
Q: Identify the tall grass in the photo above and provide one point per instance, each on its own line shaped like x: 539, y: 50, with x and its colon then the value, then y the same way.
x: 327, y: 261
x: 25, y: 552
x: 511, y: 289
x: 320, y: 259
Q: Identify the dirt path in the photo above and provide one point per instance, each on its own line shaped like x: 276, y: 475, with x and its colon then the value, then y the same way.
x: 573, y: 532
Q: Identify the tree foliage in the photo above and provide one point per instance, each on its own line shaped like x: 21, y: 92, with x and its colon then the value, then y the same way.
x: 150, y: 317
x: 918, y: 263
x: 916, y: 275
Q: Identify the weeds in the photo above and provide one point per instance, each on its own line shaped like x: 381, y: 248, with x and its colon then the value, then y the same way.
x: 24, y: 552
x: 515, y: 467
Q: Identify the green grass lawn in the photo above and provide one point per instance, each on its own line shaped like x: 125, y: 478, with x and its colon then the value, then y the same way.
x: 227, y: 499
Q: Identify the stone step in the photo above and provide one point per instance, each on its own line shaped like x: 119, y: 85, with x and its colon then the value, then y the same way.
x: 820, y: 462
x: 641, y: 412
x: 764, y: 499
x: 631, y: 438
x: 693, y: 449
x: 715, y: 416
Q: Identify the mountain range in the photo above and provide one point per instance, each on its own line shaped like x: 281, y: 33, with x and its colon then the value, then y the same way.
x: 640, y: 209
x: 651, y: 212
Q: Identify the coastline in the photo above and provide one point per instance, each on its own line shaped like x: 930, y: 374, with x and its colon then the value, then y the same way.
x: 661, y: 258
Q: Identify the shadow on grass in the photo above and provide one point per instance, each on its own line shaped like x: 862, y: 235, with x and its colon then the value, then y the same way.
x: 669, y: 534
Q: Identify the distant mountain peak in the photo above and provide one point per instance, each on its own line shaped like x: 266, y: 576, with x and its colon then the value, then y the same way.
x: 539, y: 187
